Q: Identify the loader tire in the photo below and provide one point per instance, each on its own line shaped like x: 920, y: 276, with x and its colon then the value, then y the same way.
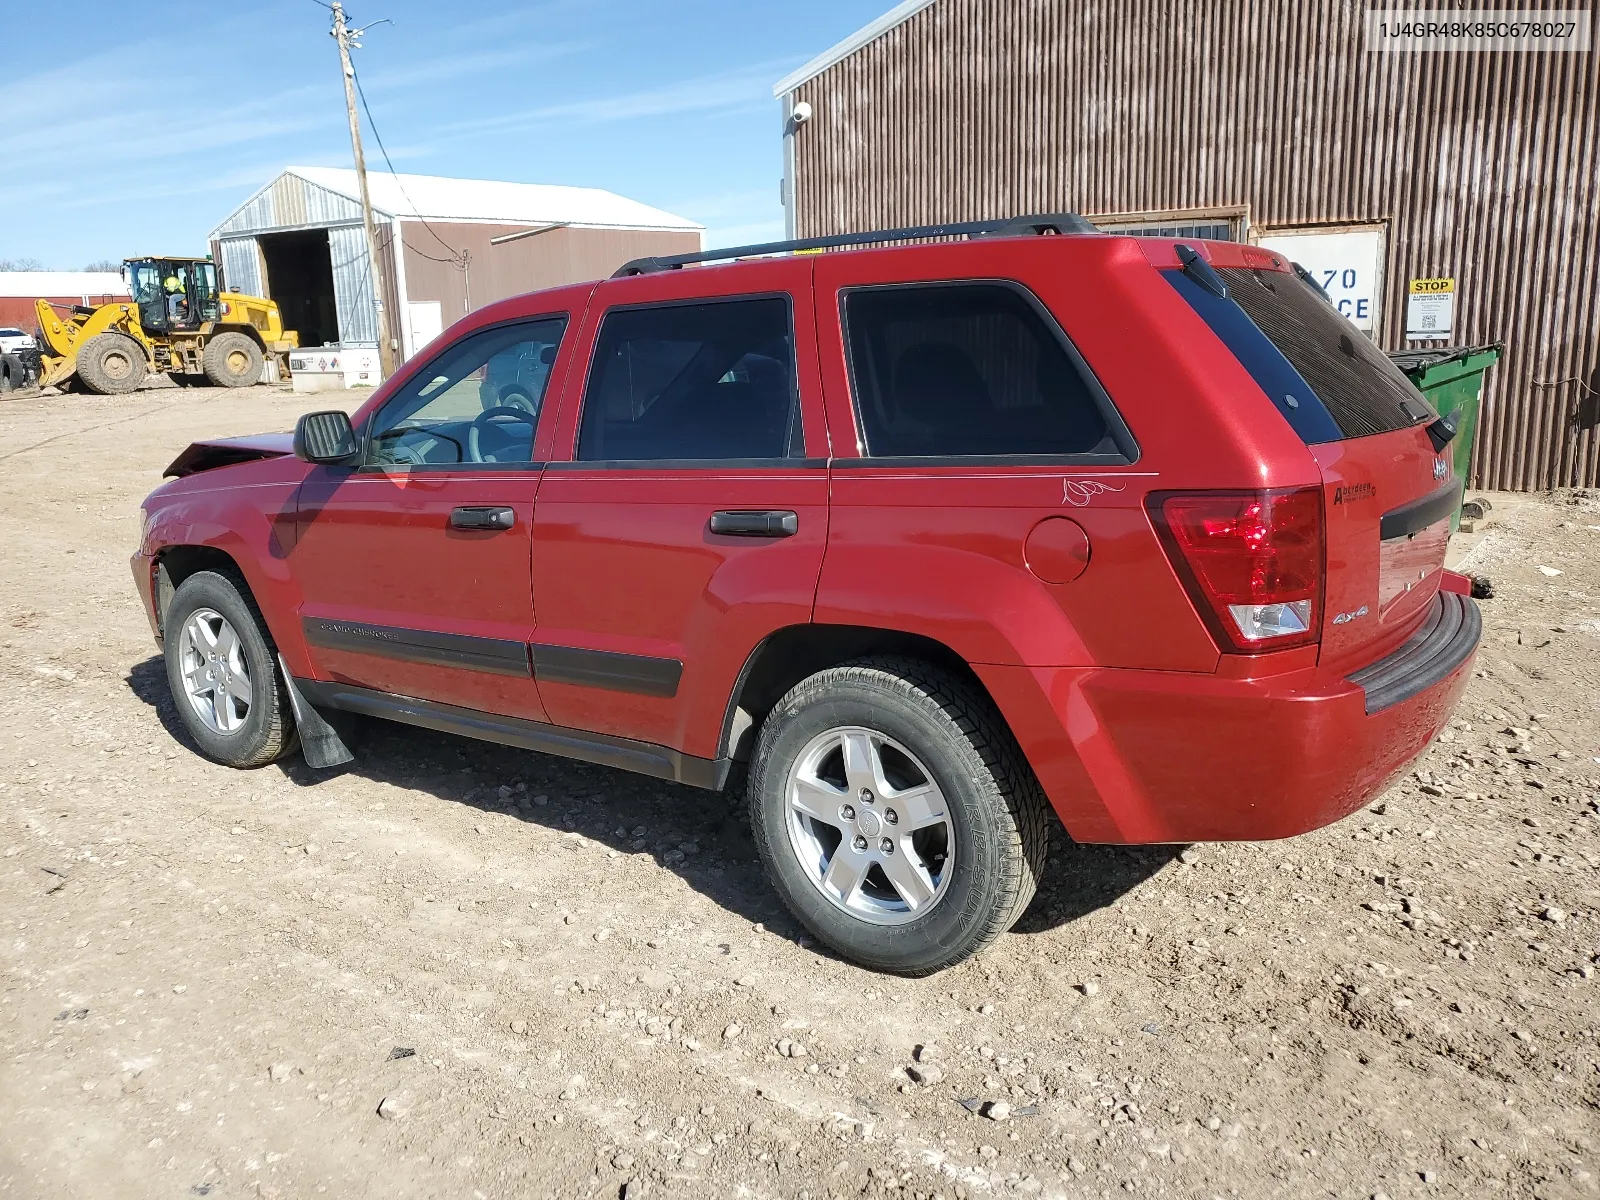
x: 13, y: 375
x: 232, y: 360
x: 111, y: 364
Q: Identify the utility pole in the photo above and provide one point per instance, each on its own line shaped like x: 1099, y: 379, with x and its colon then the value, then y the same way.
x: 342, y: 35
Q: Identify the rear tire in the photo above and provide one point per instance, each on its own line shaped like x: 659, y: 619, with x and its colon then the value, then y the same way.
x: 13, y: 375
x: 111, y: 364
x: 222, y: 667
x: 232, y: 360
x: 912, y: 725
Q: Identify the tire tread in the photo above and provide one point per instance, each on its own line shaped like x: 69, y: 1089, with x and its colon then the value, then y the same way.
x: 215, y: 354
x: 1026, y: 835
x: 87, y: 367
x: 281, y: 737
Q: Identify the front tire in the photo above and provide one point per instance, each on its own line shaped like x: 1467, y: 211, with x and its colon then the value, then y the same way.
x: 896, y: 814
x: 223, y: 671
x: 232, y: 360
x: 111, y: 364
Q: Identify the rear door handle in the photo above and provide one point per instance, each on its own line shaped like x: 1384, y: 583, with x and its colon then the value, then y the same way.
x: 482, y: 518
x: 769, y: 523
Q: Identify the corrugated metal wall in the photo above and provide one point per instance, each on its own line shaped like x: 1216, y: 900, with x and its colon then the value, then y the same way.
x: 1484, y: 165
x: 352, y: 285
x: 548, y: 259
x: 241, y: 265
x: 290, y: 203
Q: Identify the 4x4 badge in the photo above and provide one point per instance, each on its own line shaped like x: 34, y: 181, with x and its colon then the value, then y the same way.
x: 1345, y: 618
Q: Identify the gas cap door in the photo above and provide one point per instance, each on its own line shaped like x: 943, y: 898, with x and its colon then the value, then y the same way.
x: 1057, y: 550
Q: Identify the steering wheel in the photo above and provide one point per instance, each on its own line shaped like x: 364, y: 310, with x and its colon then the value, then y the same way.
x: 501, y: 412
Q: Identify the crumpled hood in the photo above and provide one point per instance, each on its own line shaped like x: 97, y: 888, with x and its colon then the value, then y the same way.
x: 227, y: 452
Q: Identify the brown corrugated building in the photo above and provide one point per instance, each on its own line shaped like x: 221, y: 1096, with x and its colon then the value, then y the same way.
x: 1260, y: 120
x: 463, y: 242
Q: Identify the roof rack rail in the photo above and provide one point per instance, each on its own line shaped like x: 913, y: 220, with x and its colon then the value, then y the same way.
x: 1042, y: 224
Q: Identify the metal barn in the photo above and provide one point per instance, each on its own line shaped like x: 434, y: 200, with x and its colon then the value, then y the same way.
x: 1476, y: 173
x: 447, y: 246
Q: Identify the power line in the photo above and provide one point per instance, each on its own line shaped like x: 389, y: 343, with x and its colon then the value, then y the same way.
x: 455, y: 255
x: 460, y: 259
x: 453, y: 261
x: 342, y: 35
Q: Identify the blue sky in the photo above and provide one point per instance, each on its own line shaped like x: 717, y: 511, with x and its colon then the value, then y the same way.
x: 142, y: 131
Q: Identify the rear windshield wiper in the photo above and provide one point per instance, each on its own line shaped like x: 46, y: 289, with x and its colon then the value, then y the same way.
x: 1199, y: 270
x: 1312, y: 280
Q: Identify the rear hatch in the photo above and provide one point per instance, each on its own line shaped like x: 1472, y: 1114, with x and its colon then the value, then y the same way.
x: 1387, y: 495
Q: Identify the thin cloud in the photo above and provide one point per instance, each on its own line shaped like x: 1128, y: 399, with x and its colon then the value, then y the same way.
x: 747, y: 87
x: 157, y: 135
x: 752, y: 233
x: 438, y: 70
x: 725, y: 205
x: 522, y: 17
x: 244, y: 179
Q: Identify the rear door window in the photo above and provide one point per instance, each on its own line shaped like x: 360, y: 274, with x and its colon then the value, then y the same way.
x: 957, y: 370
x: 693, y: 382
x: 1324, y: 374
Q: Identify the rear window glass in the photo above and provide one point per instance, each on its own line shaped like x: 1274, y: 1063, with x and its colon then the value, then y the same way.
x: 1290, y: 394
x: 967, y: 369
x: 1362, y: 390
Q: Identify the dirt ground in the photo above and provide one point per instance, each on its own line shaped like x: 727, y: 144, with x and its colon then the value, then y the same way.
x: 458, y: 970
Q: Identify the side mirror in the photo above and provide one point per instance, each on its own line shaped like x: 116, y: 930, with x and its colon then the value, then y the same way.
x: 324, y: 437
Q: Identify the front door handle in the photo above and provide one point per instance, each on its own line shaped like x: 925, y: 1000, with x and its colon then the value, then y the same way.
x: 494, y: 517
x: 770, y: 523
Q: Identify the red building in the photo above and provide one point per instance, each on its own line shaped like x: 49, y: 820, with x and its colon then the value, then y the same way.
x: 20, y: 289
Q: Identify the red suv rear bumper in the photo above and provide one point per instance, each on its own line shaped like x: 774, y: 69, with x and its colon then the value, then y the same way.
x: 1152, y: 756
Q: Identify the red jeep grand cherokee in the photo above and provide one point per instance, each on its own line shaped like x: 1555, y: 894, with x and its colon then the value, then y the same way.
x: 916, y: 544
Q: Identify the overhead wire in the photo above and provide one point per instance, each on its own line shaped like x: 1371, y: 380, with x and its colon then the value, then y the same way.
x: 457, y: 257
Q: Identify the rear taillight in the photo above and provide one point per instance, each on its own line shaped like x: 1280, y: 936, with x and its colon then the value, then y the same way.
x: 1252, y: 561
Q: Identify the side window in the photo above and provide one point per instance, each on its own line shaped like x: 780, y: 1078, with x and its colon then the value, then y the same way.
x: 966, y: 369
x: 693, y: 381
x: 477, y: 401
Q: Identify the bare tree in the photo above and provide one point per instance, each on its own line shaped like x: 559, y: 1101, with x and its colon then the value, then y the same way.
x: 21, y: 264
x: 104, y: 264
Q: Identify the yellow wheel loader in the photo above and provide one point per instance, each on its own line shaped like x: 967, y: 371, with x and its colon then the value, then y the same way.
x: 178, y: 321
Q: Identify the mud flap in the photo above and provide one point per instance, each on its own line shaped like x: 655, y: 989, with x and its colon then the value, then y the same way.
x: 320, y: 743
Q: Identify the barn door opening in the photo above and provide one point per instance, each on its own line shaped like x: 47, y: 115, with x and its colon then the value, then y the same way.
x: 300, y: 278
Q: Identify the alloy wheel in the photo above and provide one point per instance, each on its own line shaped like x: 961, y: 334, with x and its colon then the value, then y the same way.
x: 869, y: 825
x: 216, y: 678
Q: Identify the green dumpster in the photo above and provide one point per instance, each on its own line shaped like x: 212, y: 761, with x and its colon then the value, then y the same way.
x: 1451, y: 377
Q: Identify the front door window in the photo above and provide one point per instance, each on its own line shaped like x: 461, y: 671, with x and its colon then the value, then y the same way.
x: 477, y: 402
x: 145, y: 284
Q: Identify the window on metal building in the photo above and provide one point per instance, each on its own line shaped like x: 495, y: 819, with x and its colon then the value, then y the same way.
x: 1210, y: 227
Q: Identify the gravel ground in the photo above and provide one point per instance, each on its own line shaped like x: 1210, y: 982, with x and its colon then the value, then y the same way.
x: 458, y: 970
